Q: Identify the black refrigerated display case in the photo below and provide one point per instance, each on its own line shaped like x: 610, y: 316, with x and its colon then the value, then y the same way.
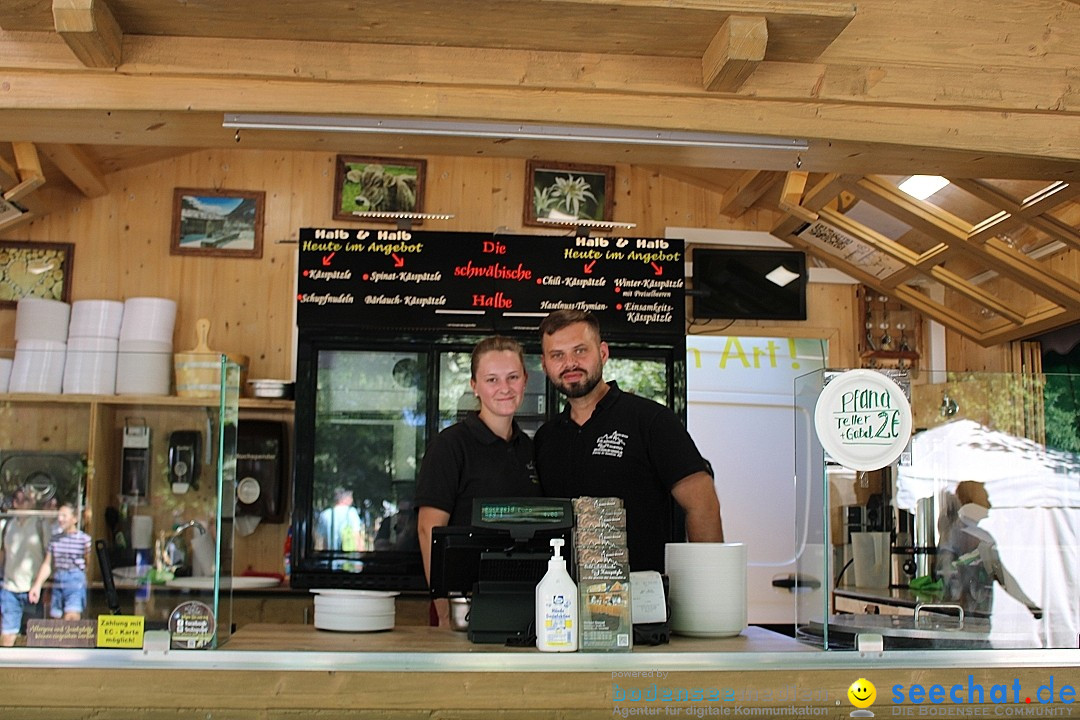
x: 376, y: 382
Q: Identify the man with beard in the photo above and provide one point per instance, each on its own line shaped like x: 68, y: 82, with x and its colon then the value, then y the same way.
x: 609, y: 443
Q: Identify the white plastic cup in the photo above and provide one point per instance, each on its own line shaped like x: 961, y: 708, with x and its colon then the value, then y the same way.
x: 872, y: 558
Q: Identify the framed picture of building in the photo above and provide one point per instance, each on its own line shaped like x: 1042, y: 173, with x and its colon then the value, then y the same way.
x: 376, y: 186
x: 565, y: 192
x: 223, y: 223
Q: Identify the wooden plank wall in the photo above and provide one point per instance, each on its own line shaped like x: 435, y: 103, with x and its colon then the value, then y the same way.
x: 122, y: 240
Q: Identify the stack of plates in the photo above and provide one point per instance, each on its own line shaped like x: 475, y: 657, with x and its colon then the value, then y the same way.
x: 144, y: 365
x: 93, y: 337
x: 40, y: 346
x: 354, y: 610
x: 707, y: 586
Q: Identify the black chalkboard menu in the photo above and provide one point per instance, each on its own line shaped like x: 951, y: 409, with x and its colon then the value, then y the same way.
x: 480, y: 282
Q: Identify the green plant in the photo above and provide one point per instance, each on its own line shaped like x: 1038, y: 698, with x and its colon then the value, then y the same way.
x: 571, y: 192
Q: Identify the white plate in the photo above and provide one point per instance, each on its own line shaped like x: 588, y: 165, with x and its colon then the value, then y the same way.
x: 718, y: 634
x: 242, y: 582
x: 863, y: 420
x: 373, y: 623
x: 354, y: 593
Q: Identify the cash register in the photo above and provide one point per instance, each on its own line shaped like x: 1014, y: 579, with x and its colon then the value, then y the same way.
x: 497, y: 562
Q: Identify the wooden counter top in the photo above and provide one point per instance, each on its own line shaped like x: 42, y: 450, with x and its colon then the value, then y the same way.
x: 409, y: 638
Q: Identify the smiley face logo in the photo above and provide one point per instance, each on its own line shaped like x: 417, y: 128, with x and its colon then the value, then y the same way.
x: 862, y: 693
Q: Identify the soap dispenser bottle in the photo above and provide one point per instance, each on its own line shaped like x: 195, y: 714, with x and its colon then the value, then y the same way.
x: 557, y: 605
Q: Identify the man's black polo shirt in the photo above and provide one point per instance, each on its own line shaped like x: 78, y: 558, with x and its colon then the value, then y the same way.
x: 631, y: 448
x: 467, y: 461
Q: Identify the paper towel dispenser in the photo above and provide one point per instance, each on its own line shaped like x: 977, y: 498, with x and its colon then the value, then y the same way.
x: 260, y: 469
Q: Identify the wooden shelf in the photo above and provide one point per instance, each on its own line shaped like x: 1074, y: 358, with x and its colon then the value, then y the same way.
x: 890, y: 354
x: 156, y: 400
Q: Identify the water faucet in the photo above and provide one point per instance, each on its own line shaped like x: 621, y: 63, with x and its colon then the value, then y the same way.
x: 176, y: 535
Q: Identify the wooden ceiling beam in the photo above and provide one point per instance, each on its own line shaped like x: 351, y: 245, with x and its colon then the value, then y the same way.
x: 734, y: 53
x: 78, y: 167
x: 9, y: 176
x: 1015, y: 212
x: 90, y: 30
x: 746, y: 191
x: 29, y: 169
x: 910, y: 259
x: 953, y: 231
x: 909, y: 296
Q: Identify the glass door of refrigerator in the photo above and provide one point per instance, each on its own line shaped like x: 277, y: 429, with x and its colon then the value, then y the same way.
x: 370, y: 433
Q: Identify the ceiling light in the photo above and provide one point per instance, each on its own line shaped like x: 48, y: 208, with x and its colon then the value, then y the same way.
x: 505, y: 131
x: 781, y: 276
x: 923, y: 186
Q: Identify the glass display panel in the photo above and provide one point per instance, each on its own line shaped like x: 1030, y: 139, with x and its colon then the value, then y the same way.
x: 968, y: 540
x: 126, y: 487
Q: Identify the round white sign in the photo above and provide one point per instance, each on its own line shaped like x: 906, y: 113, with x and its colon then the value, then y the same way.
x: 863, y: 420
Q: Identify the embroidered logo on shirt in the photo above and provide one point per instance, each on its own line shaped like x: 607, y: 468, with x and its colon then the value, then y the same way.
x: 611, y: 444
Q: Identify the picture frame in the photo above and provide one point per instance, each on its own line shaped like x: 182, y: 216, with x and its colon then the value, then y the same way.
x: 35, y: 269
x: 378, y: 185
x: 218, y: 223
x: 568, y: 191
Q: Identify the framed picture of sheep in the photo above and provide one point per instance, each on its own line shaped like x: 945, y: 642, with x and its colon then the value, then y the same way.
x: 377, y: 189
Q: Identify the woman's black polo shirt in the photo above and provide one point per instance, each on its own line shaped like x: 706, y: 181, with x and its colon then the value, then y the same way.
x: 467, y: 460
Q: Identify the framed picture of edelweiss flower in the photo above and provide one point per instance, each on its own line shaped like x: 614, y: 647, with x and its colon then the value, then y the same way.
x: 568, y: 192
x: 378, y: 185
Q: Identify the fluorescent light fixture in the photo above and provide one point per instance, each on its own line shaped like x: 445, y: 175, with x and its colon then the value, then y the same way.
x: 921, y: 187
x: 581, y: 222
x: 402, y: 215
x: 506, y: 131
x: 781, y: 276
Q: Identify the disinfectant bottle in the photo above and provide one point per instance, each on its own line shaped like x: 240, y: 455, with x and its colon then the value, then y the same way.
x: 557, y: 606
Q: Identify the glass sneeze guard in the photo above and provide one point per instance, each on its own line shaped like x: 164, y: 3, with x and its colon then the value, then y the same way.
x: 969, y: 539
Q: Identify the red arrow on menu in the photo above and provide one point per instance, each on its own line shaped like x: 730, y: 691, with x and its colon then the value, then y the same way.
x: 326, y: 260
x: 659, y: 269
x: 589, y: 267
x: 398, y: 261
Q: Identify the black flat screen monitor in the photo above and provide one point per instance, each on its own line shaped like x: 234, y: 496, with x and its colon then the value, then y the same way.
x: 740, y: 284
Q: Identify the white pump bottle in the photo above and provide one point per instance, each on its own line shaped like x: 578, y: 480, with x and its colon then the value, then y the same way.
x: 557, y: 606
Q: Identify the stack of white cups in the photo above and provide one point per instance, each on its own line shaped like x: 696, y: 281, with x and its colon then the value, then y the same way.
x: 144, y: 365
x: 707, y: 588
x: 93, y: 336
x: 40, y: 346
